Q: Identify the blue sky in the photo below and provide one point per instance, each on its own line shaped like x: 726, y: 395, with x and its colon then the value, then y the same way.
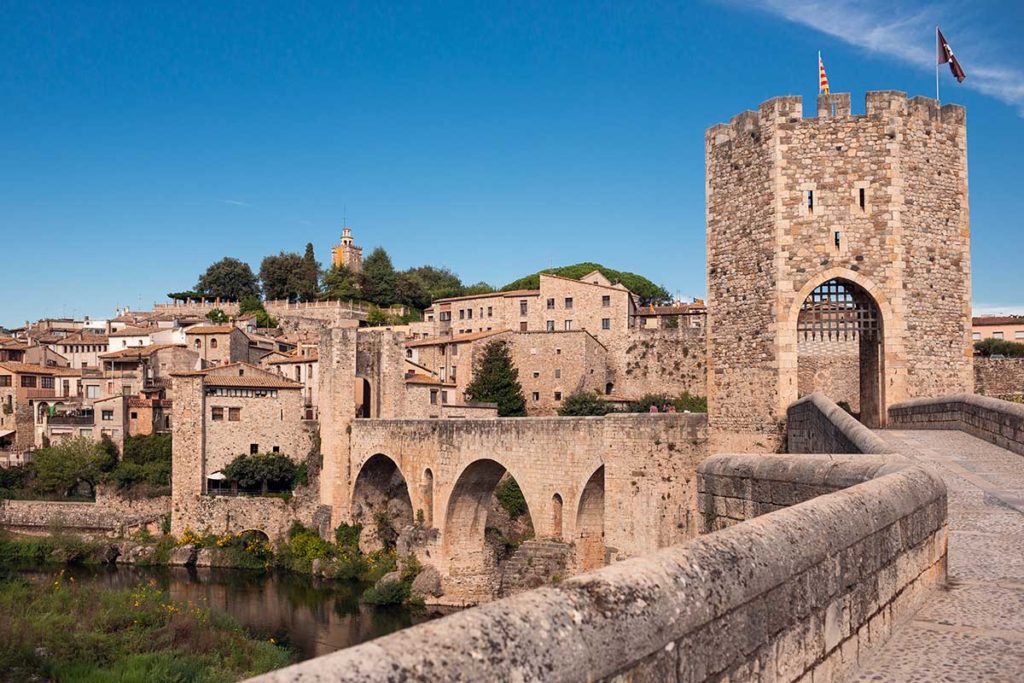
x: 142, y: 141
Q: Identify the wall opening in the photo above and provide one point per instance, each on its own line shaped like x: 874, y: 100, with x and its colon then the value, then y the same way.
x: 590, y: 548
x: 840, y: 349
x: 428, y: 498
x: 556, y: 517
x: 487, y: 520
x: 380, y: 503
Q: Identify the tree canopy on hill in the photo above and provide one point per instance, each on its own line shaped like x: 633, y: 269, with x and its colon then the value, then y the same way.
x: 648, y: 292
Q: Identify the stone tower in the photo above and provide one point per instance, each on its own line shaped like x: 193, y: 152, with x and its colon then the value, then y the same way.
x: 839, y: 228
x: 347, y: 253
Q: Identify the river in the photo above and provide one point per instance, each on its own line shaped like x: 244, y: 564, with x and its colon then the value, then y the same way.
x: 312, y: 616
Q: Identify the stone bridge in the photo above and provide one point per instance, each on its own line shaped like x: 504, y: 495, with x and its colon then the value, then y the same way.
x: 610, y: 487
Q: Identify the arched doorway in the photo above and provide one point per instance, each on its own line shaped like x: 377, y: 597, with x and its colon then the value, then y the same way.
x: 840, y: 349
x: 380, y: 503
x: 590, y: 549
x: 487, y: 518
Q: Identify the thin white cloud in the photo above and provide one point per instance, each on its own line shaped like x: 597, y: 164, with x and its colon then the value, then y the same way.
x: 999, y: 309
x: 235, y: 202
x: 888, y: 28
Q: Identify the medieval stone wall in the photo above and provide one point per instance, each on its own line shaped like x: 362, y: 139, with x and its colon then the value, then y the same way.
x: 658, y: 361
x: 999, y: 422
x: 999, y: 377
x: 109, y: 514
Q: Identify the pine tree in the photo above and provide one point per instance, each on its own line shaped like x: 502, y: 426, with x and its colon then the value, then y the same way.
x: 379, y: 278
x: 496, y: 380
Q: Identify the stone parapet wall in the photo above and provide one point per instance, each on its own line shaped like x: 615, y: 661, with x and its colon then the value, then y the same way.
x: 815, y: 424
x: 108, y: 514
x: 805, y: 591
x: 994, y: 420
x: 235, y: 514
x: 999, y: 377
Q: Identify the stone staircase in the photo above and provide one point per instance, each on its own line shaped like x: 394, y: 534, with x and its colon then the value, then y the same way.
x: 535, y: 563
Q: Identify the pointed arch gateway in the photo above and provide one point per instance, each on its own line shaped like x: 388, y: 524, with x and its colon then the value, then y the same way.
x: 840, y: 348
x: 381, y: 503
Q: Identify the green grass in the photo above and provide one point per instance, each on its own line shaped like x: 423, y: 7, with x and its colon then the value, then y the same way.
x: 55, y: 629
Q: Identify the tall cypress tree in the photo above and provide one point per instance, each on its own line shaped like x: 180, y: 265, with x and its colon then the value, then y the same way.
x: 496, y: 380
x: 310, y: 280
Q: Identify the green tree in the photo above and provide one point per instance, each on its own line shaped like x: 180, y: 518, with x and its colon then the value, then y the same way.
x: 496, y: 380
x: 379, y: 278
x: 252, y: 304
x: 265, y: 470
x: 583, y: 403
x: 478, y: 288
x: 376, y: 317
x: 409, y: 292
x: 228, y: 279
x: 62, y: 468
x: 648, y: 292
x: 341, y: 283
x: 309, y: 284
x: 999, y: 347
x: 282, y: 276
x: 217, y: 316
x: 439, y: 283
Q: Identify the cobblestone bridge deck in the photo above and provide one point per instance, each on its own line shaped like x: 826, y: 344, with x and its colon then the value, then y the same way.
x: 974, y: 631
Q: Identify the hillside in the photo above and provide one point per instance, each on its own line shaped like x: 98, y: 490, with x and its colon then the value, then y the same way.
x: 647, y: 291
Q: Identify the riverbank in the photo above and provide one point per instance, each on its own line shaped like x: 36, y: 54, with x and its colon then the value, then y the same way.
x: 53, y: 627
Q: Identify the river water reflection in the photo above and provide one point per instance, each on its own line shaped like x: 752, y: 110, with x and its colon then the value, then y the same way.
x: 313, y: 617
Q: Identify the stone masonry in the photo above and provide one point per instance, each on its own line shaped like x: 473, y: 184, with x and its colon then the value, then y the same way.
x: 786, y: 213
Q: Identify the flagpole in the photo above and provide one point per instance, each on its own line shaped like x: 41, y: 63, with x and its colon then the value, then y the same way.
x: 936, y: 64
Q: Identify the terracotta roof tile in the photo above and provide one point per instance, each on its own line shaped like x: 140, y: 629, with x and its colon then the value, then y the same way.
x: 211, y: 329
x: 457, y: 339
x: 137, y: 351
x: 32, y: 369
x: 311, y: 357
x: 999, y: 320
x: 133, y: 332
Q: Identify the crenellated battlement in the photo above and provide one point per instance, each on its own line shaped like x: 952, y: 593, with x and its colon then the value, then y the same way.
x: 789, y: 109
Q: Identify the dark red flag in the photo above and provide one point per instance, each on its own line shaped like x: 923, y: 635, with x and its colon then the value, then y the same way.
x: 945, y: 54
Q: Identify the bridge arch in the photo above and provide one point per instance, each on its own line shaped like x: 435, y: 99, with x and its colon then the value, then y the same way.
x: 465, y: 543
x: 590, y: 546
x: 380, y: 502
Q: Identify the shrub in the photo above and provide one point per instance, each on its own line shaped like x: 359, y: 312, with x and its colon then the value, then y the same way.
x: 683, y: 402
x: 347, y: 535
x: 390, y: 593
x: 386, y: 532
x: 511, y: 498
x: 999, y: 347
x: 583, y: 403
x: 263, y: 471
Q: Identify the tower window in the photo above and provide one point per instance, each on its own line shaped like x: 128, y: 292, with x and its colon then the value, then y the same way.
x: 862, y: 198
x: 810, y: 200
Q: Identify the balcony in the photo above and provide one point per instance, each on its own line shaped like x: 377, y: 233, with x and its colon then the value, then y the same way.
x: 40, y: 393
x: 70, y: 420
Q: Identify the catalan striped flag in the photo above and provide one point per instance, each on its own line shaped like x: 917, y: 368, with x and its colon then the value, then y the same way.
x: 822, y: 78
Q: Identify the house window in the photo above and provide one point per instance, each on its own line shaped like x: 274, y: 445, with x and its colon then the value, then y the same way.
x: 490, y: 311
x: 217, y: 414
x: 568, y: 324
x: 134, y: 415
x: 462, y: 314
x: 433, y: 397
x: 995, y: 335
x: 1019, y: 334
x: 47, y: 382
x: 522, y: 308
x: 522, y: 327
x: 558, y: 395
x: 213, y: 343
x: 276, y: 449
x: 28, y: 381
x: 455, y: 349
x: 536, y: 374
x: 481, y: 311
x: 568, y: 302
x: 234, y: 414
x: 606, y: 300
x: 558, y: 373
x: 92, y: 391
x: 469, y: 313
x: 976, y: 336
x: 5, y: 380
x: 551, y: 304
x: 606, y: 323
x: 254, y: 448
x: 444, y: 396
x: 453, y: 372
x: 551, y: 326
x: 536, y: 396
x: 108, y: 415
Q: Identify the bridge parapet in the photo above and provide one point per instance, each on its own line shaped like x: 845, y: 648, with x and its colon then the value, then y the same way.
x: 803, y: 590
x: 992, y: 419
